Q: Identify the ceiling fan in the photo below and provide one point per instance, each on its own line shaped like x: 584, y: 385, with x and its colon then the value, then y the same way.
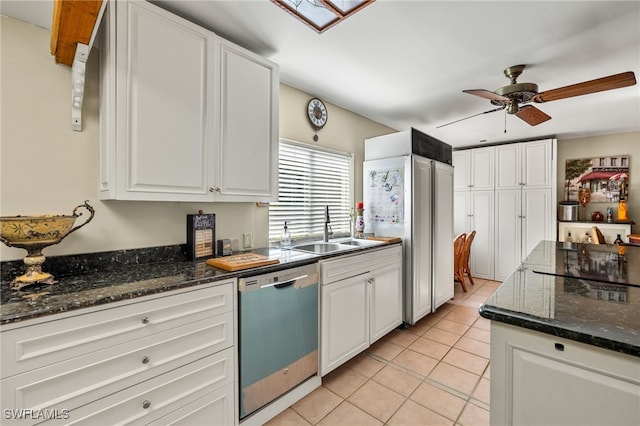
x: 516, y: 97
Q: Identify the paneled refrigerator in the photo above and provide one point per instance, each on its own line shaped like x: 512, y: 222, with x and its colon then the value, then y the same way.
x: 408, y: 193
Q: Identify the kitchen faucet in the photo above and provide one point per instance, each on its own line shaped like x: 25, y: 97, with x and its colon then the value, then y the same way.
x: 327, y: 228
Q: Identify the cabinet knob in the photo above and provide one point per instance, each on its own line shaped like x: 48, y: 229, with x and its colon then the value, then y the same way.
x: 146, y: 404
x: 145, y: 360
x: 145, y: 320
x: 215, y: 189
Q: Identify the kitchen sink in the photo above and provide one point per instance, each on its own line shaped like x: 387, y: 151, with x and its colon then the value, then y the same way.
x: 321, y: 247
x: 361, y: 243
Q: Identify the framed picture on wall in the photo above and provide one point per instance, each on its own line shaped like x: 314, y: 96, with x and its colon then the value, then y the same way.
x: 604, y: 178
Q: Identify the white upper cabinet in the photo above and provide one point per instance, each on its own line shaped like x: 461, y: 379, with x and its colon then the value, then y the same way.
x: 461, y: 161
x: 474, y: 169
x: 178, y: 107
x: 526, y: 164
x: 248, y: 131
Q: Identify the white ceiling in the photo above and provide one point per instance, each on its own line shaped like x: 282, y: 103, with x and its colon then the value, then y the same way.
x: 405, y: 63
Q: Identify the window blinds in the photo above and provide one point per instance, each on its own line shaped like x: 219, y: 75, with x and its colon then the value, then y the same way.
x: 310, y: 178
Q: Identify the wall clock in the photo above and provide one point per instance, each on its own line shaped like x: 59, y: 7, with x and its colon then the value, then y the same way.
x: 317, y: 113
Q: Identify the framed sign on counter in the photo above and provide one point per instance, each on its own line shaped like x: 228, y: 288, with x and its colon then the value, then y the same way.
x: 201, y: 234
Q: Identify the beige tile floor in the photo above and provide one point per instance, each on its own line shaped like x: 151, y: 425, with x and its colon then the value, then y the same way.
x: 433, y: 373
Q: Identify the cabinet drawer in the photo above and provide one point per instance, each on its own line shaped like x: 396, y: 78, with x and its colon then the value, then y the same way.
x: 215, y: 408
x: 34, y: 346
x: 78, y: 381
x: 186, y: 395
x: 350, y: 266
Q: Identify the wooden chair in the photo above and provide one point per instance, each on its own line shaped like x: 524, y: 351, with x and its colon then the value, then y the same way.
x: 466, y: 254
x: 458, y: 267
x: 598, y: 238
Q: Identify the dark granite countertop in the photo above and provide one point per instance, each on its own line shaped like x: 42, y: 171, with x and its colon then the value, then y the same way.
x: 582, y: 292
x: 100, y: 278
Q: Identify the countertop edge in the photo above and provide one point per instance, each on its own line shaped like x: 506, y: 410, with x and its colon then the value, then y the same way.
x: 527, y: 322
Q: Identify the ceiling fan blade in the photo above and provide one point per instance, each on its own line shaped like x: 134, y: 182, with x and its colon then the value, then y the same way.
x: 532, y: 115
x: 615, y: 81
x: 487, y: 95
x: 474, y: 115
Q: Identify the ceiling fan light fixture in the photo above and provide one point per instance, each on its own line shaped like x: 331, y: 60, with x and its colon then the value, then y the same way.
x: 512, y: 108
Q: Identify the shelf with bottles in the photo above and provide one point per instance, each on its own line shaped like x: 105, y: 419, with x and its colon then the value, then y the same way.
x: 578, y: 230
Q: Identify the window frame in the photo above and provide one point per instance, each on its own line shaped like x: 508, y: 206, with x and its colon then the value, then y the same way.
x: 341, y: 216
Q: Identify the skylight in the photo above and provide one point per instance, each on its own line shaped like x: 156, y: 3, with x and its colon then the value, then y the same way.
x: 322, y: 14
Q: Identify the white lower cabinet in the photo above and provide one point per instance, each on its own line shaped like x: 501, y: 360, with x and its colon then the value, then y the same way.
x: 361, y: 301
x: 344, y: 322
x: 131, y: 362
x: 539, y: 379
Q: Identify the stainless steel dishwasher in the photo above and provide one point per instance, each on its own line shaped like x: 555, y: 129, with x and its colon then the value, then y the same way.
x: 278, y: 334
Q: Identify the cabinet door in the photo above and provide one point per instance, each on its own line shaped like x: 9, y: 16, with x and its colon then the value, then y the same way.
x: 508, y: 219
x: 508, y: 169
x: 385, y: 292
x: 482, y: 221
x: 344, y: 322
x: 537, y: 221
x: 248, y: 153
x: 482, y: 169
x: 537, y: 164
x: 461, y: 212
x: 538, y: 379
x: 164, y: 105
x: 462, y: 169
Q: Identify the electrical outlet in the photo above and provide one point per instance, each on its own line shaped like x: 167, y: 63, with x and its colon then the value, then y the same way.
x: 247, y: 240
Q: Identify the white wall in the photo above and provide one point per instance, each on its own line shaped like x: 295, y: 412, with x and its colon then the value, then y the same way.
x: 344, y: 131
x: 603, y: 146
x: 46, y: 168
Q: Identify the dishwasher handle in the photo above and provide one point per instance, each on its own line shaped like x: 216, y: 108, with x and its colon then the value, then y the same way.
x: 284, y: 284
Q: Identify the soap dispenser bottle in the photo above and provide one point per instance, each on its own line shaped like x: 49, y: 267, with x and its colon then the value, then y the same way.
x: 285, y: 240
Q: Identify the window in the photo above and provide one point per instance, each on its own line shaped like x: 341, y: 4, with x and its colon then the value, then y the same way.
x: 614, y: 162
x: 601, y: 162
x: 309, y: 179
x: 322, y: 14
x: 624, y: 162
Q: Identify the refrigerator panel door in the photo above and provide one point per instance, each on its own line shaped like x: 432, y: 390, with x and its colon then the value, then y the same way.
x: 420, y: 302
x: 443, y: 234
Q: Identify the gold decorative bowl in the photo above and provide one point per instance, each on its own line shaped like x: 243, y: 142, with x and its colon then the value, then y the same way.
x: 34, y: 233
x: 24, y: 230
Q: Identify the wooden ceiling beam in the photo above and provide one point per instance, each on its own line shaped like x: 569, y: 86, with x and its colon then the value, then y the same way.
x: 73, y: 22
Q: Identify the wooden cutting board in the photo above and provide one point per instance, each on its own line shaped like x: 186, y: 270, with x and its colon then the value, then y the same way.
x: 386, y: 239
x: 238, y: 262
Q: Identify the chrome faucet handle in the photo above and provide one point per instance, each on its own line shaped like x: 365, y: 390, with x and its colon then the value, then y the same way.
x: 327, y: 219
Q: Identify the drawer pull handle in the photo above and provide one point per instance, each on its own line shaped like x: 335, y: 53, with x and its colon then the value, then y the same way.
x: 145, y: 360
x: 145, y: 320
x: 146, y: 404
x: 559, y: 347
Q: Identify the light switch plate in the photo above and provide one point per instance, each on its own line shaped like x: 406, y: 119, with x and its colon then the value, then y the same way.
x: 247, y: 240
